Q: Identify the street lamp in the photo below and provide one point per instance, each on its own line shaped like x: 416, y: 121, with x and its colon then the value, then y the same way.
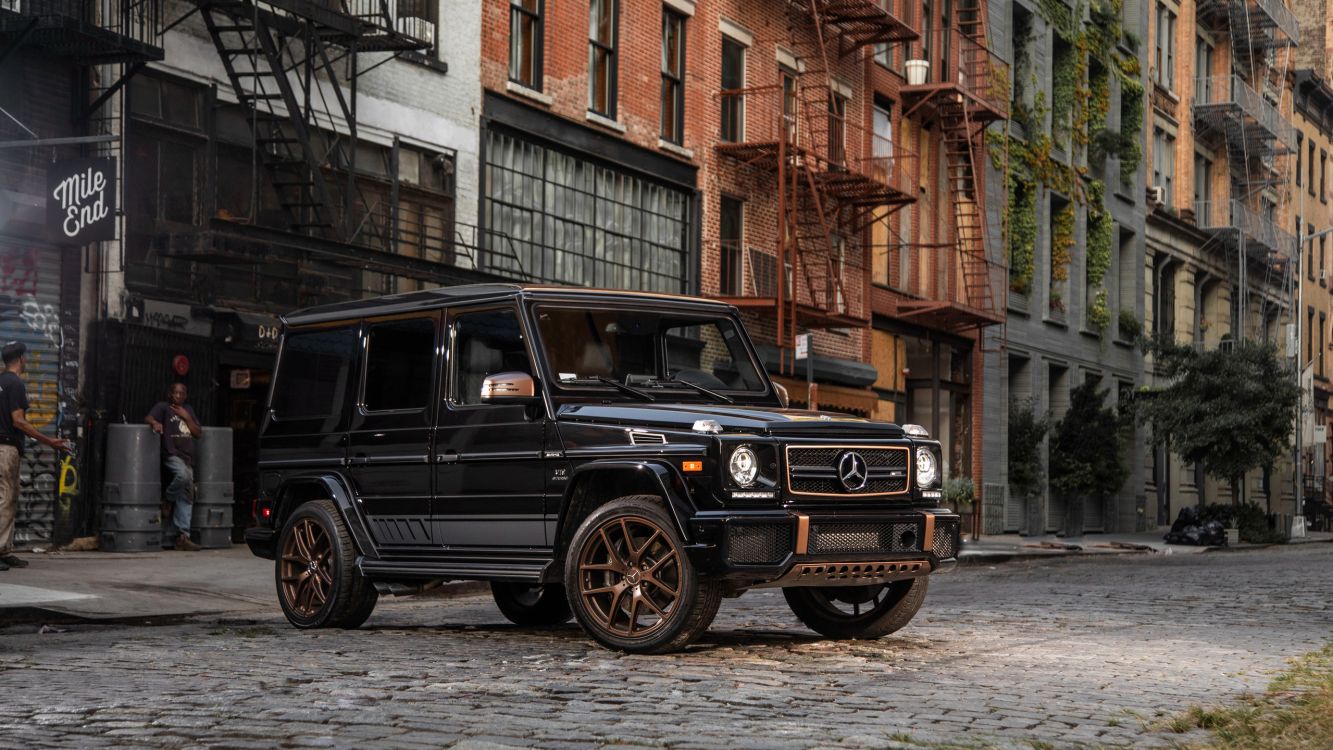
x: 1301, y: 239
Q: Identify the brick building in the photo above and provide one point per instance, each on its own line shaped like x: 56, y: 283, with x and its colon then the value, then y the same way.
x: 1221, y: 230
x: 1066, y: 188
x: 57, y: 59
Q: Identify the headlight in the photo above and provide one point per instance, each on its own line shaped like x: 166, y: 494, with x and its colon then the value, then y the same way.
x: 927, y: 471
x: 744, y: 466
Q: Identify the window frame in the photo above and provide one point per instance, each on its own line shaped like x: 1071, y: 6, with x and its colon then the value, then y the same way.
x: 367, y: 326
x: 451, y: 358
x: 1300, y: 156
x: 675, y: 80
x: 738, y: 109
x: 612, y: 59
x: 538, y: 18
x: 739, y: 266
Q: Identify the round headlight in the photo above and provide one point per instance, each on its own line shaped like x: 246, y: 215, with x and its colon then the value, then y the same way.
x: 927, y: 471
x: 744, y: 466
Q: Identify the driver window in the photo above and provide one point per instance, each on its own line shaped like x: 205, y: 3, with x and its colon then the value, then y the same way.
x: 485, y: 343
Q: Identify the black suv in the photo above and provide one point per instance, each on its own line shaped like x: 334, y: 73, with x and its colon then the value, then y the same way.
x: 614, y: 456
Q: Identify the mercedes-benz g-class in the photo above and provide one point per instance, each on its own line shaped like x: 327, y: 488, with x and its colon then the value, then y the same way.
x: 618, y: 457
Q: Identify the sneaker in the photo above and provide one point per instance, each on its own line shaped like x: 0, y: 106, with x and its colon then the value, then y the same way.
x: 184, y: 544
x: 13, y: 561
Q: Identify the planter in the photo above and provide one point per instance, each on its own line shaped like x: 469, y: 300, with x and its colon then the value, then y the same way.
x: 917, y: 72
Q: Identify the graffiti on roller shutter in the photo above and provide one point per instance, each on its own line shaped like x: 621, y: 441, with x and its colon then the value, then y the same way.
x: 30, y: 312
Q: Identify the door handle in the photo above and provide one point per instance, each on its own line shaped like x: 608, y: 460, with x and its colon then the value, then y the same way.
x: 447, y: 457
x: 358, y: 459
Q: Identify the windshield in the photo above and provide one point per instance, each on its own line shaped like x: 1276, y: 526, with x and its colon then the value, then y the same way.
x: 646, y: 348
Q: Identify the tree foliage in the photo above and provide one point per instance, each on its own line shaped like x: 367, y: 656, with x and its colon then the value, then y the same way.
x: 1026, y: 431
x: 1086, y: 446
x: 1229, y: 411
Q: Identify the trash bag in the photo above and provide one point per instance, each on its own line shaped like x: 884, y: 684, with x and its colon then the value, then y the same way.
x: 1188, y: 530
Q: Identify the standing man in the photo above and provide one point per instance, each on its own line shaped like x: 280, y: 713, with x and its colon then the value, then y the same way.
x: 174, y: 420
x: 14, y: 426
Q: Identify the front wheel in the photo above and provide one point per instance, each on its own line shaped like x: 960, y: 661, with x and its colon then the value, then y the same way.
x: 857, y: 612
x: 531, y: 605
x: 631, y: 584
x: 318, y: 583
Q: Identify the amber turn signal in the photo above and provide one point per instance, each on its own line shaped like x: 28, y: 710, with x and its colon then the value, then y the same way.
x: 692, y: 466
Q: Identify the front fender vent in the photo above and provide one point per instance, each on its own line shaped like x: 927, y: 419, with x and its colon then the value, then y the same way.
x: 637, y: 437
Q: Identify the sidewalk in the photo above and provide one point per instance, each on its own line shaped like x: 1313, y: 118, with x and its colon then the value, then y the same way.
x: 162, y: 586
x: 998, y: 548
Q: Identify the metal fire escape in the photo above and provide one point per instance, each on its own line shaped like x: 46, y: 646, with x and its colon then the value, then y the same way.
x: 1240, y: 113
x: 967, y: 88
x: 831, y: 174
x: 287, y: 61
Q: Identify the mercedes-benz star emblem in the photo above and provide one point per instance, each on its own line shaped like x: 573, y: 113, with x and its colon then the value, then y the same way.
x: 852, y: 471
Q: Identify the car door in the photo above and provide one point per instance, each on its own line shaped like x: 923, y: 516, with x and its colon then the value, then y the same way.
x: 389, y: 442
x: 489, y: 480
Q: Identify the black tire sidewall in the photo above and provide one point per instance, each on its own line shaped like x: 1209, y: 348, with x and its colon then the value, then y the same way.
x: 644, y: 506
x: 322, y: 511
x: 884, y: 619
x: 551, y: 607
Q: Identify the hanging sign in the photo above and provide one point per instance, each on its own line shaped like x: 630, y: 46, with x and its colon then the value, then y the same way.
x: 81, y: 200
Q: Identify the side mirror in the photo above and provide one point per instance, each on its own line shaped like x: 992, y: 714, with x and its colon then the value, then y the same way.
x: 508, y: 387
x: 783, y: 397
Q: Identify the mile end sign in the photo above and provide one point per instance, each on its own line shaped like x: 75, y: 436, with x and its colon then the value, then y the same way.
x: 81, y: 200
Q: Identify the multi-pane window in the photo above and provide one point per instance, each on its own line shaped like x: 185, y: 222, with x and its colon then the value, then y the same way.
x: 731, y: 232
x: 1300, y: 156
x: 837, y: 128
x: 673, y: 76
x: 1323, y: 168
x: 1203, y: 61
x: 1164, y: 62
x: 1309, y: 167
x: 733, y: 80
x: 1203, y: 181
x: 790, y: 104
x: 1164, y: 162
x: 602, y: 57
x: 1309, y: 252
x: 525, y: 42
x: 567, y: 219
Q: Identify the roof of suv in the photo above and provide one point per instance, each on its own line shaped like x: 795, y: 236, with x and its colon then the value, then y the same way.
x: 469, y: 293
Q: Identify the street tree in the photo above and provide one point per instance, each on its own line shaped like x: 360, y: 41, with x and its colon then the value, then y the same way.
x: 1227, y: 410
x: 1087, y: 447
x: 1026, y: 431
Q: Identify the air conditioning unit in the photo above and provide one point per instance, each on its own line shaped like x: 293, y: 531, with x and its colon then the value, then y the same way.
x: 1157, y: 194
x: 417, y: 28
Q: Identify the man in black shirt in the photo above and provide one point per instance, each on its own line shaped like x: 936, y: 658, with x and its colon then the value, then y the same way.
x: 175, y: 421
x: 14, y: 426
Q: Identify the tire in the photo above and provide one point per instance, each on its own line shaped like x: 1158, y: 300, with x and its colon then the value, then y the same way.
x: 625, y: 561
x: 315, y: 572
x: 532, y: 606
x: 825, y: 609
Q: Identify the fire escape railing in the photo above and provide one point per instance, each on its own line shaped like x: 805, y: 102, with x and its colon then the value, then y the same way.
x: 1233, y: 218
x: 961, y: 65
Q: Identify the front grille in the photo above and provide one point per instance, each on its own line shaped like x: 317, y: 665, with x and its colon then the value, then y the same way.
x: 815, y: 470
x: 852, y: 538
x: 758, y: 543
x: 945, y: 541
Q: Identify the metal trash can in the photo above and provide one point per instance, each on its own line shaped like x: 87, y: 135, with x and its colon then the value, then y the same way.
x: 131, y: 514
x: 215, y: 495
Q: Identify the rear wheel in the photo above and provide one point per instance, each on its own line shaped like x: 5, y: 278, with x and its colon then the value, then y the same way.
x: 318, y: 583
x: 630, y: 583
x: 534, y: 606
x: 864, y: 612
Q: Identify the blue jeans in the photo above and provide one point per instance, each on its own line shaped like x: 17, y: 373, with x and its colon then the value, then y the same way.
x: 180, y: 493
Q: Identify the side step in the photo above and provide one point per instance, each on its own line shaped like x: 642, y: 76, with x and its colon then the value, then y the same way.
x: 526, y: 571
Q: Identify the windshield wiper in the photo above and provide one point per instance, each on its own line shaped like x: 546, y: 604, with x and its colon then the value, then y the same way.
x: 625, y: 388
x: 706, y: 391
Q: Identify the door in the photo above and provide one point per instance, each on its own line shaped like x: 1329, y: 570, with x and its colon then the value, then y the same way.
x: 489, y: 479
x: 389, y: 442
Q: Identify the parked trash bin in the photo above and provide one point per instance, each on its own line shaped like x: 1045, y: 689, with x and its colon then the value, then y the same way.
x: 215, y: 495
x: 131, y: 516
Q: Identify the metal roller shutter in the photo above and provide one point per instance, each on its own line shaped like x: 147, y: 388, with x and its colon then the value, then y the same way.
x: 30, y: 311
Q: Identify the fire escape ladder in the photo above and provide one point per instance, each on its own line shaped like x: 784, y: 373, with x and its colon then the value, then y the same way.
x: 960, y: 158
x: 815, y: 249
x: 253, y: 45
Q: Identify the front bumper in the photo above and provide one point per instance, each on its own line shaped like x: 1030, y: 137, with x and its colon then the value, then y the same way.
x: 262, y: 542
x: 815, y: 547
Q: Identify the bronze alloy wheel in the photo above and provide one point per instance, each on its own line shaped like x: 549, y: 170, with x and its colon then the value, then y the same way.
x: 307, y: 567
x: 630, y: 576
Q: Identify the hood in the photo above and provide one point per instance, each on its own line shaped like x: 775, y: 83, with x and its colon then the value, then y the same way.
x: 758, y: 419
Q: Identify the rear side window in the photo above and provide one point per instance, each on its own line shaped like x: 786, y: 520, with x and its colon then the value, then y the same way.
x: 313, y: 375
x: 399, y: 365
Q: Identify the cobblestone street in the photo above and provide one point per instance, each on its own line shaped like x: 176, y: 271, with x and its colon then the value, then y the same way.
x: 1066, y: 652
